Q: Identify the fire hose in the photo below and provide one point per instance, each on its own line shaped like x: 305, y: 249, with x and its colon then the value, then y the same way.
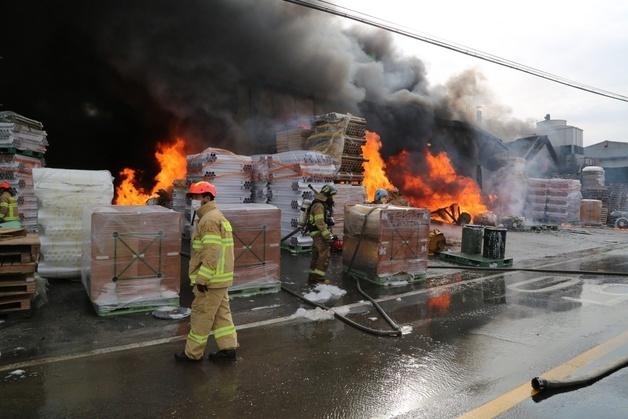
x: 541, y: 384
x: 396, y: 332
x: 538, y: 270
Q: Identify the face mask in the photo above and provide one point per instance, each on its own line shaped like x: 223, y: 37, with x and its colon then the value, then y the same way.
x: 196, y: 204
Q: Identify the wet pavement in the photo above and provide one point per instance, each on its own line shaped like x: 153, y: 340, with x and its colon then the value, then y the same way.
x: 475, y: 336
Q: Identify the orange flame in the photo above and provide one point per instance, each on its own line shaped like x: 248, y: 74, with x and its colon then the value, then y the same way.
x: 173, y: 164
x: 374, y: 167
x: 440, y: 186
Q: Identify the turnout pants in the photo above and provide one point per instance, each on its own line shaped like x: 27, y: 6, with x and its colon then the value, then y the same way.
x: 210, y: 312
x: 321, y: 251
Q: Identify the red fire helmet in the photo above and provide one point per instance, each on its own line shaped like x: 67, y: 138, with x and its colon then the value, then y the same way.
x: 5, y: 185
x: 202, y: 187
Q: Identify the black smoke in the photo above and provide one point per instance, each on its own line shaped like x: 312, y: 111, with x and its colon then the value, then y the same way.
x: 110, y: 79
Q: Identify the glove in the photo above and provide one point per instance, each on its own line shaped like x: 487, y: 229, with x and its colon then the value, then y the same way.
x: 201, y: 287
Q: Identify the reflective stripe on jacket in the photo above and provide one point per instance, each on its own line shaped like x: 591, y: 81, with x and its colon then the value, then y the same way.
x: 8, y: 208
x: 211, y: 260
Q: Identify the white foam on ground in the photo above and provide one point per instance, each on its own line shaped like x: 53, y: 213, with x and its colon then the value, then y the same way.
x: 16, y: 373
x: 406, y: 330
x: 323, y: 293
x: 316, y: 314
x: 265, y: 307
x: 372, y: 319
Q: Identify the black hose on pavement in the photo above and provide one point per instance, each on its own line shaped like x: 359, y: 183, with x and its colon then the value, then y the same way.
x: 344, y: 319
x: 540, y: 270
x: 541, y: 384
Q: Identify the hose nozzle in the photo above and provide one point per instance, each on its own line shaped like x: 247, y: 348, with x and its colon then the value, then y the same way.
x: 538, y: 383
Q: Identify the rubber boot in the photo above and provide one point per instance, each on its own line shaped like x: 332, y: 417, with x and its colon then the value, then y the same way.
x: 223, y: 355
x: 182, y: 357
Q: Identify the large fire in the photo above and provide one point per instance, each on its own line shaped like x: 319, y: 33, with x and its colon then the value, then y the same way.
x: 440, y: 186
x: 173, y: 166
x: 374, y: 166
x: 437, y: 186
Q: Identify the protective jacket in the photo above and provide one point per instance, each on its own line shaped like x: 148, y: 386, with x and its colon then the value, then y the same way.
x: 211, y: 260
x: 8, y: 208
x: 319, y: 217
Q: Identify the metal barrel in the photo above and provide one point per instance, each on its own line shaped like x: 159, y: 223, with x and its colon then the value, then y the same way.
x: 494, y: 243
x: 472, y: 239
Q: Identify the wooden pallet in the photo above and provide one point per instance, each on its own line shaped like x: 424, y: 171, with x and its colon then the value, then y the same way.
x: 15, y: 303
x: 474, y: 260
x: 18, y: 268
x: 19, y: 250
x: 11, y: 286
x: 296, y: 249
x: 387, y: 280
x: 141, y: 307
x: 243, y: 291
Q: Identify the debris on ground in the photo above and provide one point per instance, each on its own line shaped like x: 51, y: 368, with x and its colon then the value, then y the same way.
x: 172, y: 313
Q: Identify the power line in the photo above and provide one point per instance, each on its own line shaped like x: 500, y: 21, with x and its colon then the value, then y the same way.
x: 334, y: 9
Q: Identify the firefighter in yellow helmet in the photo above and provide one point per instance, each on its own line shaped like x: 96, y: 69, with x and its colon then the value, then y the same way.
x: 318, y: 222
x: 211, y: 275
x: 9, y: 215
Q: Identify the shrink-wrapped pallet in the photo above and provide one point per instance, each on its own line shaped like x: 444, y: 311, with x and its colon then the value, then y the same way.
x: 392, y: 245
x: 347, y: 195
x: 553, y: 200
x: 62, y: 196
x: 256, y: 236
x: 131, y: 257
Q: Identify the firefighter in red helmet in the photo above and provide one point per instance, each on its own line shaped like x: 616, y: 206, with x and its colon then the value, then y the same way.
x: 9, y: 214
x: 211, y: 275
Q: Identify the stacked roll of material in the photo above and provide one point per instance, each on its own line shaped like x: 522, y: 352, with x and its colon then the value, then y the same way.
x: 553, y: 200
x: 391, y: 245
x: 347, y: 195
x: 340, y: 136
x: 62, y: 196
x: 291, y: 139
x: 593, y: 177
x: 229, y: 172
x: 23, y: 144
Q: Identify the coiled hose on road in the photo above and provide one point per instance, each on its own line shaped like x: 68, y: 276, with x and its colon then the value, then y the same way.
x: 396, y: 332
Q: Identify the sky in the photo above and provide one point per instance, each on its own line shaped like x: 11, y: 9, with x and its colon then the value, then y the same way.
x: 582, y: 41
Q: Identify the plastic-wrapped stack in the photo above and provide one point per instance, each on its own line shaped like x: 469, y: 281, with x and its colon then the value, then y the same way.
x: 347, y: 195
x: 593, y: 177
x: 261, y: 178
x: 289, y: 177
x: 591, y: 212
x: 553, y: 201
x: 21, y: 133
x: 393, y: 244
x: 256, y: 236
x: 22, y: 147
x: 340, y: 136
x: 291, y: 139
x: 62, y: 196
x: 131, y: 257
x: 229, y: 172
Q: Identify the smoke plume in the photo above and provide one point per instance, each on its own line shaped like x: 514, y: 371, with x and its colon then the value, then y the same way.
x: 225, y: 73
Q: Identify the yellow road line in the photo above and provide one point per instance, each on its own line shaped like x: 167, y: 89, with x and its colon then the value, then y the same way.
x: 512, y: 398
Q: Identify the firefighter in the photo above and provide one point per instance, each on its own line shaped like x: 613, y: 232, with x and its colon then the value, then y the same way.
x: 211, y: 275
x: 318, y: 222
x: 9, y: 215
x: 381, y: 196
